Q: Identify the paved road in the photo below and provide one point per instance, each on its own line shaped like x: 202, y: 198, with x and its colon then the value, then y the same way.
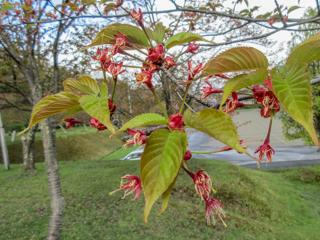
x: 252, y: 128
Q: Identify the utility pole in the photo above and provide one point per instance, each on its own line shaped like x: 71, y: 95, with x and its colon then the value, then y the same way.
x: 4, y: 149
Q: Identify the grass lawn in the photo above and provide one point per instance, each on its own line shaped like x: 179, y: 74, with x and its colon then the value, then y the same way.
x: 279, y: 205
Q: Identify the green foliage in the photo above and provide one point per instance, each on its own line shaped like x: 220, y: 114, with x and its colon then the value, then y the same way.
x: 216, y: 124
x: 134, y: 34
x: 306, y: 52
x: 160, y: 164
x: 182, y: 38
x: 82, y: 85
x: 158, y: 33
x: 293, y: 90
x: 144, y: 120
x: 235, y: 60
x: 243, y: 81
x: 53, y: 105
x: 293, y: 130
x: 97, y: 107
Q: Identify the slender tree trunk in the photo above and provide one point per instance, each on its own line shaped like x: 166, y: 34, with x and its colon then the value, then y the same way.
x: 49, y: 146
x: 28, y: 150
x: 166, y: 92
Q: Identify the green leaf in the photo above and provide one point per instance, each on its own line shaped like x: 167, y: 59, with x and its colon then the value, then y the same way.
x: 293, y: 8
x: 306, y: 52
x: 160, y: 164
x: 52, y: 105
x: 293, y: 90
x: 216, y: 124
x: 134, y: 34
x: 158, y: 33
x: 182, y: 38
x: 88, y: 2
x: 236, y: 59
x: 242, y: 81
x: 97, y: 107
x: 166, y: 196
x: 82, y: 85
x: 143, y: 120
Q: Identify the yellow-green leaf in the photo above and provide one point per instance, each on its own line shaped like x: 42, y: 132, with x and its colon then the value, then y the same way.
x: 182, y: 38
x: 97, y: 107
x: 243, y: 81
x: 143, y: 120
x: 306, y: 52
x: 216, y: 124
x: 158, y: 33
x: 160, y: 164
x: 82, y: 85
x: 52, y: 105
x: 235, y: 60
x: 292, y: 88
x: 165, y: 197
x: 134, y: 34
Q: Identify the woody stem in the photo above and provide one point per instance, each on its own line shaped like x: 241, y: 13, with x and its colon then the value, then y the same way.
x: 115, y: 80
x: 184, y: 98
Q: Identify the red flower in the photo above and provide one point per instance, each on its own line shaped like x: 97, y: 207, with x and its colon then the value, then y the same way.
x: 208, y: 90
x: 112, y: 107
x: 115, y: 69
x: 156, y: 54
x: 214, y: 209
x: 169, y: 62
x: 265, y: 149
x: 202, y: 183
x: 97, y: 124
x: 130, y: 184
x: 146, y: 78
x: 120, y: 42
x: 187, y: 155
x: 139, y: 137
x: 176, y: 122
x: 192, y: 72
x: 268, y: 101
x: 150, y: 67
x: 233, y: 103
x: 102, y: 56
x: 192, y: 48
x: 71, y: 122
x: 137, y: 15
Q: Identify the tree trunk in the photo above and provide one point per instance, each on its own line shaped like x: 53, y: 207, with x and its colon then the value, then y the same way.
x: 49, y: 146
x: 28, y: 149
x: 166, y: 92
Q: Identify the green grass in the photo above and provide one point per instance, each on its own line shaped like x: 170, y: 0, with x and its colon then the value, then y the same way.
x: 73, y: 144
x: 281, y: 205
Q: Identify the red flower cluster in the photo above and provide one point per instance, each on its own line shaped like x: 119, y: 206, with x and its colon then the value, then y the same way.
x: 176, y: 122
x: 265, y: 150
x: 233, y: 103
x: 169, y: 62
x: 202, y: 183
x: 139, y: 137
x: 213, y: 209
x: 115, y: 69
x: 192, y: 72
x: 192, y: 48
x: 156, y: 54
x: 137, y: 15
x: 130, y: 184
x: 208, y: 90
x: 145, y: 77
x: 102, y: 55
x: 121, y: 41
x: 97, y: 124
x: 269, y: 102
x: 71, y: 122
